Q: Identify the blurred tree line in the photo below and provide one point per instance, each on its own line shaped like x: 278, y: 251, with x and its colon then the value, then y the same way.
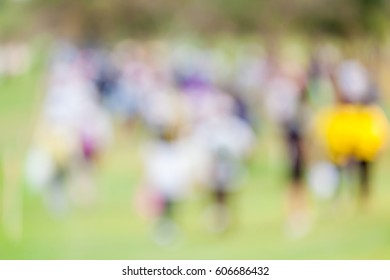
x: 116, y: 18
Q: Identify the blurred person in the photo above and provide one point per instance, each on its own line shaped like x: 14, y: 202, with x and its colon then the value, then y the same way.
x: 227, y: 140
x: 355, y: 129
x: 167, y: 170
x: 71, y: 131
x: 48, y: 165
x: 220, y: 123
x: 94, y: 135
x: 286, y: 103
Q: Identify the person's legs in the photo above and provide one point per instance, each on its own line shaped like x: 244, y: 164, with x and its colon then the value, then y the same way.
x: 298, y: 221
x: 166, y: 231
x: 167, y: 211
x: 220, y: 196
x: 364, y: 178
x: 56, y: 199
x: 222, y: 214
x: 296, y: 184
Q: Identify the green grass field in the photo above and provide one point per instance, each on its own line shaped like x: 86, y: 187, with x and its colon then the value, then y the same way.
x: 112, y: 230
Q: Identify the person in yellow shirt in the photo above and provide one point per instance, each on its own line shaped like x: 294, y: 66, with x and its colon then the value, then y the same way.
x: 355, y: 128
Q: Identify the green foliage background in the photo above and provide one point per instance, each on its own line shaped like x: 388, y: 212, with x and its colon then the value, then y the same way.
x: 115, y: 18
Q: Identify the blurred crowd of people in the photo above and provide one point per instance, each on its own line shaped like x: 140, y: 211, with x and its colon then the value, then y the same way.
x: 203, y: 106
